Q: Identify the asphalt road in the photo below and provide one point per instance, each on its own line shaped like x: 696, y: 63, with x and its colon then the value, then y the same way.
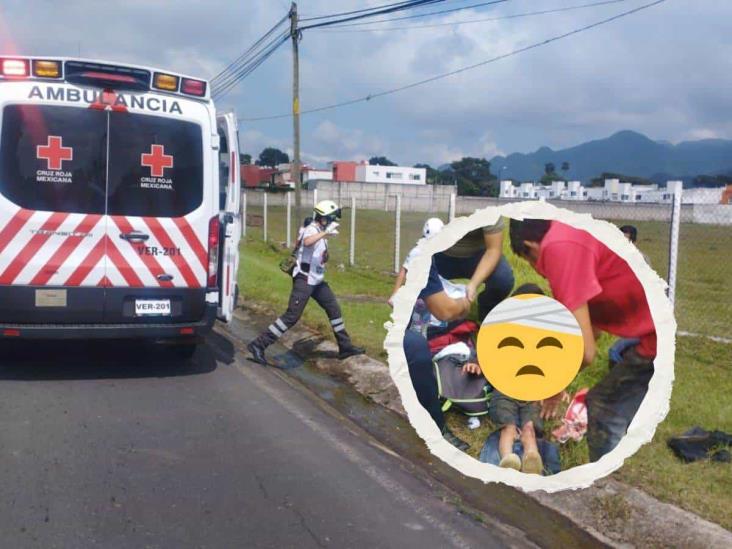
x: 116, y: 445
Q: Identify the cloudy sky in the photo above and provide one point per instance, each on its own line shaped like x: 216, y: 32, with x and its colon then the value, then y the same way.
x: 665, y: 72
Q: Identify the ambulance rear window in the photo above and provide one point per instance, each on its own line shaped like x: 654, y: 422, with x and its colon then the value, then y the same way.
x: 155, y: 166
x: 53, y: 158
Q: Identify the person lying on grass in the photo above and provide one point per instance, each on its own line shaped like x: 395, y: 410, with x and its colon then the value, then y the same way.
x: 518, y: 419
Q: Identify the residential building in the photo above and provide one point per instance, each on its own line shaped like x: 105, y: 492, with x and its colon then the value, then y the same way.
x: 316, y: 174
x: 508, y: 190
x: 344, y: 171
x: 703, y: 195
x: 367, y: 173
x: 726, y: 195
x: 255, y: 176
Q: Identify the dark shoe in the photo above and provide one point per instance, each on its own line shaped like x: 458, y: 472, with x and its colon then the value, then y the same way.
x: 452, y: 438
x: 350, y: 351
x: 257, y: 353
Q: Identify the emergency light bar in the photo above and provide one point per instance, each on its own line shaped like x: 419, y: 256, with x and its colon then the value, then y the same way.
x: 88, y: 73
x: 14, y: 68
x: 107, y: 76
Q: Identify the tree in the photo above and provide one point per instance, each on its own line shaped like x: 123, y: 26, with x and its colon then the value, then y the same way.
x: 437, y: 177
x: 565, y: 166
x: 474, y: 177
x: 271, y: 157
x: 550, y: 173
x: 245, y: 158
x: 380, y: 161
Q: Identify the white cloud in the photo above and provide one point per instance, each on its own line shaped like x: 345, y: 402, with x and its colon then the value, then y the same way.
x: 631, y: 74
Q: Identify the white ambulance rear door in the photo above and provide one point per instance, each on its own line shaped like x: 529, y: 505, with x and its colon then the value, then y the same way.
x: 229, y: 203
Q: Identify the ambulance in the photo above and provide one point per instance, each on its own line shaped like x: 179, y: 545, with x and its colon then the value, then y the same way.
x: 119, y: 203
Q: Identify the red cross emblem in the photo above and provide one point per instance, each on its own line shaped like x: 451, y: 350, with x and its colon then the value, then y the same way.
x: 156, y: 160
x: 54, y: 153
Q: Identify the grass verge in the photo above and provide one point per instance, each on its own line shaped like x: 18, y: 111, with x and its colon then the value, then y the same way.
x: 701, y: 393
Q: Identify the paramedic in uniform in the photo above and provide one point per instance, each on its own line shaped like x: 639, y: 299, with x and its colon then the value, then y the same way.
x: 308, y: 282
x: 478, y: 256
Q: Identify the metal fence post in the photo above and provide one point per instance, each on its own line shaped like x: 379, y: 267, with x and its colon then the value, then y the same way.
x: 264, y: 216
x: 397, y: 231
x: 243, y: 205
x: 676, y: 188
x: 352, y: 247
x: 288, y: 222
x: 451, y: 212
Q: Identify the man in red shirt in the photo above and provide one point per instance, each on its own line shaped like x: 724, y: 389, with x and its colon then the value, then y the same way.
x: 604, y: 294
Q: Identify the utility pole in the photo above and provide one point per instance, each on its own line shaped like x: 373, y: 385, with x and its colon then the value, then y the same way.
x: 295, y: 166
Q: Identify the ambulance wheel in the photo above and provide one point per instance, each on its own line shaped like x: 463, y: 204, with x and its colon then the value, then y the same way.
x: 236, y: 296
x: 183, y: 351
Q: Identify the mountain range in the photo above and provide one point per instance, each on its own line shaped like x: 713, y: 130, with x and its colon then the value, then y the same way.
x: 626, y: 152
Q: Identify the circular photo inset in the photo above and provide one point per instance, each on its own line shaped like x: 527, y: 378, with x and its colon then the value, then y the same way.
x: 532, y: 346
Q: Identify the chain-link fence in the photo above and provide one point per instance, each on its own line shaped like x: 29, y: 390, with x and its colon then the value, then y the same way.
x: 381, y: 237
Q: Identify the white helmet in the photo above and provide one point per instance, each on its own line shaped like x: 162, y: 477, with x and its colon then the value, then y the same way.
x: 327, y: 209
x: 432, y: 226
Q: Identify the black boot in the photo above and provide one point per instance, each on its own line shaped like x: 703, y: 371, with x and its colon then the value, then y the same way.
x: 257, y: 353
x: 345, y: 352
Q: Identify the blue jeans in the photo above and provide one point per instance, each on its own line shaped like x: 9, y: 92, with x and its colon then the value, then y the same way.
x: 497, y: 288
x: 419, y: 360
x: 548, y: 451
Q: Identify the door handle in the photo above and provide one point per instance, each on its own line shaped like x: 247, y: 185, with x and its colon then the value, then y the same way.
x: 134, y: 236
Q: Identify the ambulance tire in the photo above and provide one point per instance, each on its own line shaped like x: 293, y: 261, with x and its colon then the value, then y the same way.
x: 183, y: 351
x: 236, y: 296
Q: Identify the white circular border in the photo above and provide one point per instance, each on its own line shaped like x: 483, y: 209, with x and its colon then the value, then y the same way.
x: 652, y: 410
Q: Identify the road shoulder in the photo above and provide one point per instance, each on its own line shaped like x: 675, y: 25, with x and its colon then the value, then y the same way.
x: 610, y: 511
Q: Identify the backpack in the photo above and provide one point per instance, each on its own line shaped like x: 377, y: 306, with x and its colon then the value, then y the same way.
x: 438, y: 337
x: 469, y: 392
x: 288, y: 264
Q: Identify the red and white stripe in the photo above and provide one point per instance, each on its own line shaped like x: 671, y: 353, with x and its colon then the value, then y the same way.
x: 97, y: 258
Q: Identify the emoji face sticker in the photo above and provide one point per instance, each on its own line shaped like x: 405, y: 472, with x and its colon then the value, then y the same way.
x: 530, y: 347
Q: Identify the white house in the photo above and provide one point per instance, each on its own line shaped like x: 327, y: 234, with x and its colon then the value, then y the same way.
x: 316, y: 174
x: 367, y: 173
x: 595, y: 193
x: 574, y: 191
x: 508, y: 189
x: 702, y: 195
x: 526, y: 190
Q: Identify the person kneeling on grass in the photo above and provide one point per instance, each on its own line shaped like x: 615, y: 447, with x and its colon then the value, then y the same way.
x: 518, y: 419
x: 307, y: 282
x: 418, y: 355
x: 603, y: 294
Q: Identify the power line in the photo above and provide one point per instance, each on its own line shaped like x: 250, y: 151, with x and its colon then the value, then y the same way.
x: 242, y: 58
x: 235, y: 74
x: 417, y: 15
x: 469, y: 67
x: 394, y: 8
x: 344, y: 13
x: 261, y: 50
x: 497, y: 18
x: 223, y: 86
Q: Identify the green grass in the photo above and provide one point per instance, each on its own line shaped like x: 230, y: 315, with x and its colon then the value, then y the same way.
x: 703, y: 294
x: 703, y: 368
